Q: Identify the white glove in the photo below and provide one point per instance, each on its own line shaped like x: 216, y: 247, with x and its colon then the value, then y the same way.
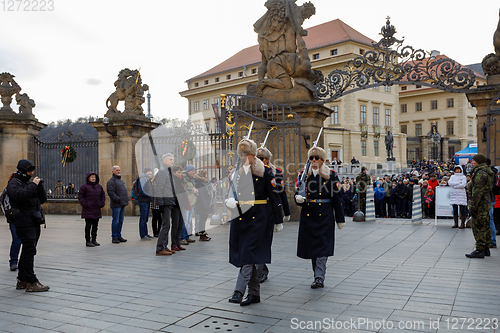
x: 231, y: 203
x: 340, y: 225
x: 278, y: 227
x: 286, y: 218
x: 299, y: 198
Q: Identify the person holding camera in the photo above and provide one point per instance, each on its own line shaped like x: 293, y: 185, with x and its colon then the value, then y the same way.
x: 26, y: 198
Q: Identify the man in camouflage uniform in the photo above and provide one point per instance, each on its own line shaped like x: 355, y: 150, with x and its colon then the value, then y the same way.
x: 479, y: 202
x: 362, y: 181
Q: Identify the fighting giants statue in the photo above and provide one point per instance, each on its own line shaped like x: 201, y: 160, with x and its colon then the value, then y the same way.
x: 8, y: 87
x: 26, y: 104
x: 279, y: 33
x: 491, y: 63
x: 129, y: 88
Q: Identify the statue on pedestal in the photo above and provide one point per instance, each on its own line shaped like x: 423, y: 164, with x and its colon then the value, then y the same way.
x: 26, y: 104
x: 129, y: 88
x: 8, y: 87
x: 491, y: 63
x: 389, y: 143
x: 279, y: 33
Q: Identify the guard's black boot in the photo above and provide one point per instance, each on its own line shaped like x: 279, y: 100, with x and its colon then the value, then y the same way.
x: 236, y: 298
x: 475, y: 254
x: 318, y: 283
x: 250, y: 300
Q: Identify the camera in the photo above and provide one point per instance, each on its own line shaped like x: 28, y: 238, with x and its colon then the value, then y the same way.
x: 41, y: 181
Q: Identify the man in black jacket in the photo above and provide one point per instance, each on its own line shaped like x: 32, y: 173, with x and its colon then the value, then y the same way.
x: 26, y: 198
x: 118, y: 195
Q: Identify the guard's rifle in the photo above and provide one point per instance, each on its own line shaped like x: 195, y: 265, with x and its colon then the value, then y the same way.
x: 302, y: 178
x: 233, y: 179
x: 263, y: 144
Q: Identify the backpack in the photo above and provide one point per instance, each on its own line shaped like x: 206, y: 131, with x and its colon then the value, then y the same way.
x: 135, y: 190
x: 5, y: 205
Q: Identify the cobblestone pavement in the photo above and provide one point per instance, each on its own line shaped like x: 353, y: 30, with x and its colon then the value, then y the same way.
x: 387, y: 276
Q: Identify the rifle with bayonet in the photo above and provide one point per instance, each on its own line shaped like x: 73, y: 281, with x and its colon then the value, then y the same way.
x: 302, y: 178
x: 232, y: 180
x: 263, y: 144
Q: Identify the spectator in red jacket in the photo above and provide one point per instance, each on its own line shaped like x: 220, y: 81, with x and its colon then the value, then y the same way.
x: 433, y: 182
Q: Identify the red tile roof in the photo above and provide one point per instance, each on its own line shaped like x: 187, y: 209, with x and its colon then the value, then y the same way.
x: 321, y: 35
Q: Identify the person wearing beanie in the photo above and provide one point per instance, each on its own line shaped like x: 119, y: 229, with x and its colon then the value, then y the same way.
x: 145, y: 197
x: 321, y: 208
x: 255, y: 209
x: 26, y: 199
x: 480, y: 187
x: 362, y: 181
x: 265, y: 156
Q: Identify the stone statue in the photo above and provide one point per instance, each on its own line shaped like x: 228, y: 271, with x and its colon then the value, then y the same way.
x: 26, y: 104
x: 389, y: 143
x: 280, y: 32
x: 129, y: 88
x: 491, y: 63
x: 8, y: 87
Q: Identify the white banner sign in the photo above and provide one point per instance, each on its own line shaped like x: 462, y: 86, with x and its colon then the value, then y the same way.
x: 442, y: 197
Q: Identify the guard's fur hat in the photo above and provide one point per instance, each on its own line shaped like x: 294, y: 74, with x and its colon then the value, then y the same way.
x: 264, y: 152
x: 317, y: 151
x: 247, y: 146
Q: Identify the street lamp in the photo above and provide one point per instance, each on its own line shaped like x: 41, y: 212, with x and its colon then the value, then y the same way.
x: 105, y: 121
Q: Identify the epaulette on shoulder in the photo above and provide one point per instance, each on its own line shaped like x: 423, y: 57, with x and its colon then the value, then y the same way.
x: 267, y: 166
x: 278, y: 169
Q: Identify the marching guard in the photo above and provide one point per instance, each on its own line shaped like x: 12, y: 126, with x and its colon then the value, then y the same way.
x: 251, y: 231
x: 265, y: 156
x: 321, y: 207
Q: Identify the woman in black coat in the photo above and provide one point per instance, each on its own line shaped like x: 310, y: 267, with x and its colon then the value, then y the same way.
x: 26, y: 198
x: 92, y: 198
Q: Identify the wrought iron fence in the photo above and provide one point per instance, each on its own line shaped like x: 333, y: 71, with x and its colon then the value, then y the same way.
x: 62, y: 181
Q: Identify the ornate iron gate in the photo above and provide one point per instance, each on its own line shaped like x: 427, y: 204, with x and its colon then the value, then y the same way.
x: 284, y: 126
x: 492, y: 130
x: 59, y: 176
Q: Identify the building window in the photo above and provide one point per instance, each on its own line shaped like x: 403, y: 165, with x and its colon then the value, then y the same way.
x: 197, y: 106
x: 471, y: 130
x: 388, y: 88
x: 418, y: 106
x: 254, y: 70
x: 217, y: 127
x: 376, y: 116
x: 217, y: 79
x: 418, y: 129
x: 376, y: 88
x: 363, y: 147
x: 361, y: 51
x: 388, y: 117
x: 334, y: 116
x: 228, y: 77
x: 404, y: 108
x: 363, y: 114
x: 217, y: 101
x: 333, y: 52
x: 206, y: 82
x: 205, y: 104
x: 375, y: 147
x: 196, y: 84
x: 450, y: 103
x: 240, y: 74
x: 434, y: 105
x: 404, y: 129
x: 449, y: 127
x: 403, y: 88
x: 207, y: 127
x: 419, y: 86
x: 315, y: 56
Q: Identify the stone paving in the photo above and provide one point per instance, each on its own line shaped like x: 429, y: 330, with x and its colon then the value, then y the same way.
x: 387, y: 276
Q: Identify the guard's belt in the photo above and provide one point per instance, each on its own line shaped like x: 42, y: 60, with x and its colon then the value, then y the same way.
x: 318, y: 200
x: 253, y: 202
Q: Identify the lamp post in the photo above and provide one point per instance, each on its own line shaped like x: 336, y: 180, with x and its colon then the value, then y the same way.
x: 105, y: 121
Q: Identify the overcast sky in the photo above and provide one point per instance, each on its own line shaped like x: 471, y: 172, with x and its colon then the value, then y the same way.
x: 67, y: 59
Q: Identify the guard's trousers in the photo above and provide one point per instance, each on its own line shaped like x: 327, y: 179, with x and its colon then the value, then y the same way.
x: 249, y: 275
x: 319, y: 267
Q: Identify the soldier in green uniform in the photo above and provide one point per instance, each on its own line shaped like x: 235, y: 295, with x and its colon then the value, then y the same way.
x: 480, y: 187
x: 362, y: 181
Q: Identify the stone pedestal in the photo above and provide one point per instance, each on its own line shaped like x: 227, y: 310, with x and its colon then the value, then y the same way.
x: 120, y: 150
x: 480, y: 100
x: 16, y: 142
x: 312, y: 118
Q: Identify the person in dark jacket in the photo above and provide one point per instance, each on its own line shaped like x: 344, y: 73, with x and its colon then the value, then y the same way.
x: 346, y: 192
x: 379, y: 199
x: 165, y: 198
x: 118, y: 196
x: 321, y: 208
x: 255, y: 209
x: 92, y: 198
x: 145, y: 196
x: 203, y: 203
x: 26, y: 199
x: 400, y: 193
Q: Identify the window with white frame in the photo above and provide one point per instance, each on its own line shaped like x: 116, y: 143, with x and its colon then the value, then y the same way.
x: 205, y: 104
x: 363, y: 147
x: 404, y: 108
x: 418, y: 129
x: 334, y: 116
x: 388, y: 117
x: 471, y: 128
x: 376, y: 115
x: 418, y: 106
x: 434, y: 105
x: 375, y: 147
x: 363, y: 114
x: 450, y: 103
x: 217, y: 101
x: 197, y: 106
